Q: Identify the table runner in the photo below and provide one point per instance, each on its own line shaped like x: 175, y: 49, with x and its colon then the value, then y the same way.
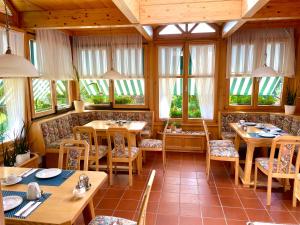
x: 54, y: 181
x: 11, y: 213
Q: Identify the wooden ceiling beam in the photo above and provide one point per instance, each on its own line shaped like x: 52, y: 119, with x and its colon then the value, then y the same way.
x: 193, y: 11
x: 63, y: 19
x: 131, y: 10
x: 249, y: 9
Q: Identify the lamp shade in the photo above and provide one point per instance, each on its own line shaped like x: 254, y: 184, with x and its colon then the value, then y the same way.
x: 264, y: 71
x: 14, y: 66
x: 112, y: 75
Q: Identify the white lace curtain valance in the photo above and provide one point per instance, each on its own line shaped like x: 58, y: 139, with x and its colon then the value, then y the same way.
x: 54, y: 57
x: 248, y: 50
x: 92, y: 55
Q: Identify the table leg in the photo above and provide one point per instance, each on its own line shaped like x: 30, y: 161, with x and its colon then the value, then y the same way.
x: 237, y: 142
x: 89, y: 212
x: 248, y: 165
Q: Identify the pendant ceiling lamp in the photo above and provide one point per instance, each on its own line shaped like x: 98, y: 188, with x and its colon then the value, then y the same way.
x: 112, y: 74
x: 265, y: 71
x: 13, y: 66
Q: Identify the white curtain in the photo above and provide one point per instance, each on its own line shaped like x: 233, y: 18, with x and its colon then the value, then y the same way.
x: 168, y: 68
x: 92, y: 55
x: 128, y: 55
x: 203, y: 69
x: 248, y: 50
x: 14, y: 89
x: 54, y: 57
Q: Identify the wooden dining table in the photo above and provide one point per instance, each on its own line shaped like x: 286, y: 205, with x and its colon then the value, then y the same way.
x: 134, y: 127
x: 61, y: 207
x: 252, y: 144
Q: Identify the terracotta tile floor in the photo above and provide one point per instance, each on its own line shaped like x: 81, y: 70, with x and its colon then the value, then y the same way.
x: 182, y: 196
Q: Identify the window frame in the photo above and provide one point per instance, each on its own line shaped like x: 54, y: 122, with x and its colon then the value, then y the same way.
x: 254, y: 99
x: 54, y: 109
x: 185, y: 76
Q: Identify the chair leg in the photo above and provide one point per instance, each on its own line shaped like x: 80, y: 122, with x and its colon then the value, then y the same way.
x: 144, y: 156
x: 255, y: 176
x: 164, y: 160
x: 97, y: 165
x: 236, y: 174
x: 295, y: 192
x: 130, y: 173
x: 269, y: 190
x: 207, y: 169
x: 138, y: 163
x: 110, y: 171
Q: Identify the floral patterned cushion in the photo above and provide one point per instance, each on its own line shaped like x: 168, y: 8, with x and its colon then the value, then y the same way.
x: 56, y: 144
x: 124, y: 154
x: 110, y: 220
x: 221, y: 143
x: 103, y: 149
x: 228, y: 135
x: 264, y: 162
x: 73, y: 161
x: 151, y: 143
x: 224, y: 152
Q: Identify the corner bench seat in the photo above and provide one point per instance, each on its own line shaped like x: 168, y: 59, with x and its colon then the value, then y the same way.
x: 288, y: 123
x: 49, y: 133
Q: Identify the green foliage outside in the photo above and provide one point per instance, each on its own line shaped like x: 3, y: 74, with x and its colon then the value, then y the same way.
x: 193, y: 110
x: 124, y: 100
x: 62, y: 98
x: 267, y: 100
x: 43, y: 104
x: 246, y: 100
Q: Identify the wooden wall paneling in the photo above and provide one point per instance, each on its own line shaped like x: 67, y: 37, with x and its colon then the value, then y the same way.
x: 163, y: 13
x: 63, y: 19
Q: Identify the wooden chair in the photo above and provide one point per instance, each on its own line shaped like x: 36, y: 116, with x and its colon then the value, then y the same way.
x: 100, y: 220
x: 154, y: 145
x: 221, y: 150
x: 118, y: 152
x: 76, y: 151
x: 279, y: 166
x: 96, y: 151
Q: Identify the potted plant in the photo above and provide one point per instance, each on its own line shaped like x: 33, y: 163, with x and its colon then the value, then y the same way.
x: 22, y: 145
x: 290, y: 107
x: 178, y: 128
x: 78, y: 103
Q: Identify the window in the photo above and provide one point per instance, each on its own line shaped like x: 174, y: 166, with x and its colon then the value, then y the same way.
x: 3, y: 112
x: 241, y: 91
x: 42, y: 95
x: 129, y: 92
x: 42, y: 90
x: 95, y: 91
x: 270, y: 91
x: 199, y: 81
x: 182, y: 28
x: 249, y: 50
x: 94, y: 57
x: 62, y: 94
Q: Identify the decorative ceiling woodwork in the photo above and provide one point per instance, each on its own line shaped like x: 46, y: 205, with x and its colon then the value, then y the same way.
x: 107, y: 14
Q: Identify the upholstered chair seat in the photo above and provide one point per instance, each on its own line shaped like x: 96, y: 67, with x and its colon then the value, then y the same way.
x: 151, y: 143
x: 111, y: 220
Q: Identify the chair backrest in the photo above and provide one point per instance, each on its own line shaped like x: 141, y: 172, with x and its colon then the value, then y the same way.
x: 1, y: 209
x: 117, y: 137
x: 75, y: 150
x: 287, y: 146
x: 145, y: 199
x: 88, y: 134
